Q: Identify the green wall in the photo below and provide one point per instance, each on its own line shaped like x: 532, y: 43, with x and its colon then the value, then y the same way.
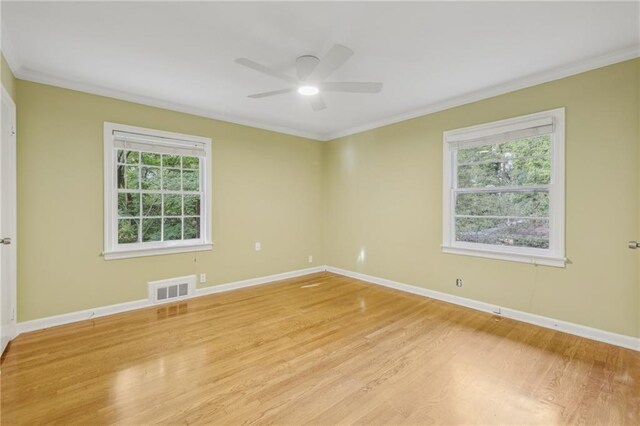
x: 383, y: 192
x: 266, y: 187
x: 377, y: 192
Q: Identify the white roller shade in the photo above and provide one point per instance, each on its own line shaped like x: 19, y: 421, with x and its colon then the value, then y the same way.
x: 480, y: 137
x: 160, y: 145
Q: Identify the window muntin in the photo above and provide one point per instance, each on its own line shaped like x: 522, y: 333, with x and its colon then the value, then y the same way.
x: 504, y: 190
x: 158, y: 197
x: 156, y: 192
x: 502, y: 193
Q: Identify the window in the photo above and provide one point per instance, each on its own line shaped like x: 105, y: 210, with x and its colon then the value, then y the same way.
x: 504, y: 189
x: 157, y: 192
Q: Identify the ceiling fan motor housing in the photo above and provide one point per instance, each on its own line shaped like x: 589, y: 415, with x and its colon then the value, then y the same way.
x: 304, y: 65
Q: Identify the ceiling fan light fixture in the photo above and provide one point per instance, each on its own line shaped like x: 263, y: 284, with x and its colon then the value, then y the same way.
x: 311, y: 77
x: 308, y: 90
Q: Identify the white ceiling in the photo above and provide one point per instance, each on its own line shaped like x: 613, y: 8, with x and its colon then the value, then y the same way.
x: 429, y: 55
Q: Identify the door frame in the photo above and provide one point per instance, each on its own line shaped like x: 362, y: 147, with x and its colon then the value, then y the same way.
x: 12, y: 327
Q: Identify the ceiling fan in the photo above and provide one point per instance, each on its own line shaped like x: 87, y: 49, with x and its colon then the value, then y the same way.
x: 311, y: 73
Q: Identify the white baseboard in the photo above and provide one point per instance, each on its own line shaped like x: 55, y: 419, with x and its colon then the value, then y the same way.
x: 52, y: 321
x: 564, y: 326
x: 257, y: 281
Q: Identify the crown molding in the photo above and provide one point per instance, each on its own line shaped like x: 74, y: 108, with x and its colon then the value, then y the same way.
x: 14, y: 61
x: 557, y: 73
x: 20, y: 72
x: 43, y: 78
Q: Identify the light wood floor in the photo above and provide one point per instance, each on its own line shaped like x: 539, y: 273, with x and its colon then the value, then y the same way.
x: 343, y: 352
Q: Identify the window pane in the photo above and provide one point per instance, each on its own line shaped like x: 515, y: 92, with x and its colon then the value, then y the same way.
x: 190, y: 180
x: 538, y: 146
x: 190, y: 162
x: 151, y: 229
x: 128, y: 204
x: 526, y: 171
x: 170, y: 160
x: 523, y: 203
x: 172, y: 205
x: 192, y: 205
x: 173, y: 229
x: 132, y: 180
x: 151, y: 204
x: 505, y: 232
x: 150, y: 177
x: 127, y: 231
x: 133, y: 157
x: 150, y: 159
x: 171, y: 179
x: 157, y: 194
x: 191, y: 228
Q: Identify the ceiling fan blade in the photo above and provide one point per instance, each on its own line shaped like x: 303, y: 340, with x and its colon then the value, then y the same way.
x: 317, y: 103
x: 352, y: 87
x: 272, y: 93
x: 330, y: 62
x: 265, y: 70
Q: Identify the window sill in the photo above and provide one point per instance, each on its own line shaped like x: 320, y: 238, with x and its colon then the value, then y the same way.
x: 124, y: 254
x: 558, y: 262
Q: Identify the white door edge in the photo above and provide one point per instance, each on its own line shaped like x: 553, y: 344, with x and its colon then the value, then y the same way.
x: 8, y: 309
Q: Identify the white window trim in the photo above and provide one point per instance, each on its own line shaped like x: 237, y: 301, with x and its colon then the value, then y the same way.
x: 111, y: 249
x: 555, y: 255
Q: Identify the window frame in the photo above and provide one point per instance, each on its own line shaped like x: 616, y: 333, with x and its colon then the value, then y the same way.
x: 555, y: 254
x: 113, y: 250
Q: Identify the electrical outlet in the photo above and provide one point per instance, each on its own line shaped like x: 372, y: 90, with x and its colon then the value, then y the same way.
x: 258, y: 246
x: 310, y: 259
x: 203, y: 278
x: 458, y: 282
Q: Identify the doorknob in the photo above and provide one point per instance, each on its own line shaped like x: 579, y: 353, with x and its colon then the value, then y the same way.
x: 634, y: 244
x: 5, y: 241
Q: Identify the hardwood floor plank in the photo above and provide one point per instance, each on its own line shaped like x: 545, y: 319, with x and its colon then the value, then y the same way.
x: 319, y: 349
